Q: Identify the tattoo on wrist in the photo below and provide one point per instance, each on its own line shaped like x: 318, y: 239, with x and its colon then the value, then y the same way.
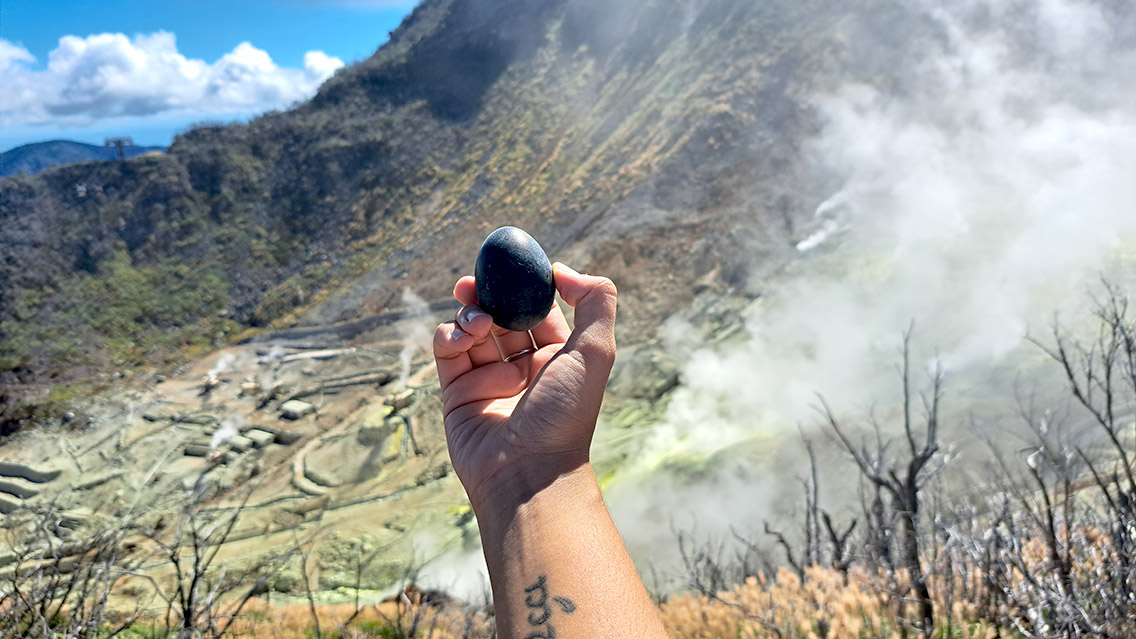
x: 539, y: 603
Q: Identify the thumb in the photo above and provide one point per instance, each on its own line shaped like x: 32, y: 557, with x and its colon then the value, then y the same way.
x: 594, y: 299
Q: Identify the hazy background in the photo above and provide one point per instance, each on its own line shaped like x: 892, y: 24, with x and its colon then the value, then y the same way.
x: 982, y: 198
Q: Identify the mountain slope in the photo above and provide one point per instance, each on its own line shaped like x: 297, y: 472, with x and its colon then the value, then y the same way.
x: 662, y: 147
x: 40, y: 156
x: 683, y: 147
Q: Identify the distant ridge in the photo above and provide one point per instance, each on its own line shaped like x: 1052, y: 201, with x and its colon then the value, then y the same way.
x: 37, y: 156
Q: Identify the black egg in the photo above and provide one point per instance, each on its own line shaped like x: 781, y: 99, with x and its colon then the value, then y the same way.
x: 514, y: 279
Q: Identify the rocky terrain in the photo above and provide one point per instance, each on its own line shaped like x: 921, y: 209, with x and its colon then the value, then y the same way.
x: 334, y: 431
x: 290, y: 255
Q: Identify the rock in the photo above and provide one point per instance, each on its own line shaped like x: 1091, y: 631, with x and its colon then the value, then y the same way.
x: 309, y: 506
x: 21, y: 488
x: 239, y: 443
x: 399, y: 401
x: 296, y: 409
x: 260, y: 438
x: 209, y: 383
x: 35, y: 475
x: 7, y: 505
x: 514, y: 279
x: 198, y: 450
x: 281, y: 435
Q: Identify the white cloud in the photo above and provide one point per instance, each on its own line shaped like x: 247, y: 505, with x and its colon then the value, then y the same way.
x: 12, y: 53
x: 109, y: 75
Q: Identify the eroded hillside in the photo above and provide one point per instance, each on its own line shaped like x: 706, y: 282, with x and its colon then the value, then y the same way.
x: 662, y: 147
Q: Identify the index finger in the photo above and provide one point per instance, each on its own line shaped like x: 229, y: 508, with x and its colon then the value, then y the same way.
x: 451, y: 352
x: 553, y: 329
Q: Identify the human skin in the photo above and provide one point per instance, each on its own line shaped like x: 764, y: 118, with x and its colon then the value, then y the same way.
x: 519, y: 434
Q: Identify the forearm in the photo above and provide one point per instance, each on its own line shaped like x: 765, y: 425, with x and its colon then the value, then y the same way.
x: 559, y: 567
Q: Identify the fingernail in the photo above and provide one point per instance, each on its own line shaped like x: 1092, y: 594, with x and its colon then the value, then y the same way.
x: 469, y: 313
x: 457, y: 333
x: 569, y: 269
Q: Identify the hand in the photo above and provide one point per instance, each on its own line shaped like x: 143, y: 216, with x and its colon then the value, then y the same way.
x: 514, y: 427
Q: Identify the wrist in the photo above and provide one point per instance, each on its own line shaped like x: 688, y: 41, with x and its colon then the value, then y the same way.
x: 549, y: 478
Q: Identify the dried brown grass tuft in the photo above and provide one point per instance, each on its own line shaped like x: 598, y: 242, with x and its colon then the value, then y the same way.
x: 826, y: 604
x: 387, y: 620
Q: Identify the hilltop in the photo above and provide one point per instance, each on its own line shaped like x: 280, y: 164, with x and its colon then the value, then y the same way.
x: 40, y: 156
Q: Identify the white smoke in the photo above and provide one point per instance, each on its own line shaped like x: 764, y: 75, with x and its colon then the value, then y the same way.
x: 462, y: 574
x: 978, y: 201
x: 225, y: 362
x: 269, y: 363
x: 415, y: 332
x: 273, y: 355
x: 230, y: 427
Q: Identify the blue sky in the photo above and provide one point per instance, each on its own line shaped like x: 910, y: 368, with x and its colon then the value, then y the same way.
x: 83, y: 70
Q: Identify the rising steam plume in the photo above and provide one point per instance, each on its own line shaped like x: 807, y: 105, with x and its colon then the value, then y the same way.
x: 415, y: 333
x: 984, y: 188
x: 975, y: 184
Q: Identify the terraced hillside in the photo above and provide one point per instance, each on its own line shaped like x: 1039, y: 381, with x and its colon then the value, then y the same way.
x: 304, y: 438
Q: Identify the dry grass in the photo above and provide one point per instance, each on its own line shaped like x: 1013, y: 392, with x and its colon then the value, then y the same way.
x: 827, y: 604
x: 394, y: 619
